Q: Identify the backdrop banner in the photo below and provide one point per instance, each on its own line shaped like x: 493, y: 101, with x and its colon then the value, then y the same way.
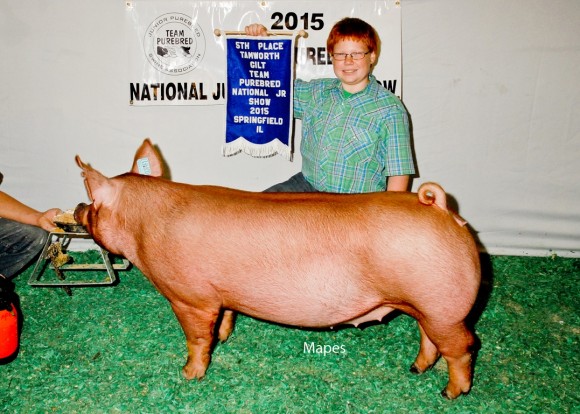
x: 259, y: 95
x: 176, y: 59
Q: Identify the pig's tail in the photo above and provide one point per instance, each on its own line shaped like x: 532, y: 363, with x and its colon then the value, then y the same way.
x: 432, y: 193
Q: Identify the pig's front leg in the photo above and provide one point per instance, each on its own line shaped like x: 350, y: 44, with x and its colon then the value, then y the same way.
x: 198, y: 326
x: 227, y: 322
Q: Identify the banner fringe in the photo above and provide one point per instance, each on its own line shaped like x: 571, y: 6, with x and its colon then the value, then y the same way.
x: 274, y: 147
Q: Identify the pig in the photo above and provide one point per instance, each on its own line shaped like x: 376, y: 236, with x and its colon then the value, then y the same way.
x: 310, y: 260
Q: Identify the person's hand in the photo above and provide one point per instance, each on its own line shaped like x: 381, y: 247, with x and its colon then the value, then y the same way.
x: 256, y: 29
x: 45, y: 220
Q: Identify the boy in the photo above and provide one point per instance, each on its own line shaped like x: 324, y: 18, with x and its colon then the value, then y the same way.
x: 355, y: 133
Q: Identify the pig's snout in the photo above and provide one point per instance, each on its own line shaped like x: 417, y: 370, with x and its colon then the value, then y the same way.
x: 80, y: 214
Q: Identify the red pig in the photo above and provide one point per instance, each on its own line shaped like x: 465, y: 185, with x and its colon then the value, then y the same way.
x: 309, y: 260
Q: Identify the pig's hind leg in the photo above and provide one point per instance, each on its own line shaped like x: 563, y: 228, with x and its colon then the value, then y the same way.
x: 427, y: 356
x: 198, y: 326
x: 453, y: 342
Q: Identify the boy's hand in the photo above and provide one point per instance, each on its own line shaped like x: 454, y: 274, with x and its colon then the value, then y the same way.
x: 256, y: 29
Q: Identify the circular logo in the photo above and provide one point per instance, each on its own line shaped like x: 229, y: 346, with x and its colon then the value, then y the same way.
x: 174, y: 44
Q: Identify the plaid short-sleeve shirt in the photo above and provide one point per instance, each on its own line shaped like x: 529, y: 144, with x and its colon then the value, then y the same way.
x: 351, y: 144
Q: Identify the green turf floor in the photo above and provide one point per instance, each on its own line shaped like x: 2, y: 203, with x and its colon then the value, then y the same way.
x: 120, y: 350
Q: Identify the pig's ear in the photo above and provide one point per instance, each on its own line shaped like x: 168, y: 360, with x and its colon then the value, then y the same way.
x: 95, y: 182
x: 148, y: 160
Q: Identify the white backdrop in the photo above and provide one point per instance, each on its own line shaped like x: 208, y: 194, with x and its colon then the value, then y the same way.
x: 491, y: 86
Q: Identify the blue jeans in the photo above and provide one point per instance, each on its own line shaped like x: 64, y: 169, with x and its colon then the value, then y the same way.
x: 19, y: 245
x: 296, y: 184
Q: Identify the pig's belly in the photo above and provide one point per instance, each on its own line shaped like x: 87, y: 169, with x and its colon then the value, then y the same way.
x: 315, y: 315
x: 308, y: 296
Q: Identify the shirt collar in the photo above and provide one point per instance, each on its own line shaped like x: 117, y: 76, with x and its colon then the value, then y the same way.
x: 336, y: 85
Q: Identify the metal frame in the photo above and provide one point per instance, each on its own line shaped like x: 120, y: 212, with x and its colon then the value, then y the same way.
x: 66, y: 238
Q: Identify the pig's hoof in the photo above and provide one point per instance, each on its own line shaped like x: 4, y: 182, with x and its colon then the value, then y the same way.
x: 191, y: 373
x: 448, y: 396
x: 223, y: 336
x: 417, y: 371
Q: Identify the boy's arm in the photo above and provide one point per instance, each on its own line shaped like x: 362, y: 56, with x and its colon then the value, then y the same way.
x: 398, y: 183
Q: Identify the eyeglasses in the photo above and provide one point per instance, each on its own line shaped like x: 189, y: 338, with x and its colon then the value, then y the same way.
x: 353, y: 55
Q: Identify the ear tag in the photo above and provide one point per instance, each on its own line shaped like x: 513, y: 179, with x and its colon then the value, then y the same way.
x: 143, y: 166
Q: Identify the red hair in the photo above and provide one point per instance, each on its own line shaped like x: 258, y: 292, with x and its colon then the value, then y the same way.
x: 352, y: 28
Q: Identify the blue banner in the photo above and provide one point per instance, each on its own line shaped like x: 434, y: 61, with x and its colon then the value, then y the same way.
x: 259, y: 96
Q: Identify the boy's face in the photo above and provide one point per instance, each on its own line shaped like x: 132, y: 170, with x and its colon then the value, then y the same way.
x: 354, y: 74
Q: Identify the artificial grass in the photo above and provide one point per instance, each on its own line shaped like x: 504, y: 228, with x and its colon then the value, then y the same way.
x: 120, y: 350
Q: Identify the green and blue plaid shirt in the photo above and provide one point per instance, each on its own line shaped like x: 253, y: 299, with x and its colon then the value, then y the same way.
x: 351, y: 144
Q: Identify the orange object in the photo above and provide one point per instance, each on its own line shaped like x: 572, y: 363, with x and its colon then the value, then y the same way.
x: 8, y: 332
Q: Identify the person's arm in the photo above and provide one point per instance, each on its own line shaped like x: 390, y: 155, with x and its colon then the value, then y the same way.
x: 398, y: 183
x: 12, y: 209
